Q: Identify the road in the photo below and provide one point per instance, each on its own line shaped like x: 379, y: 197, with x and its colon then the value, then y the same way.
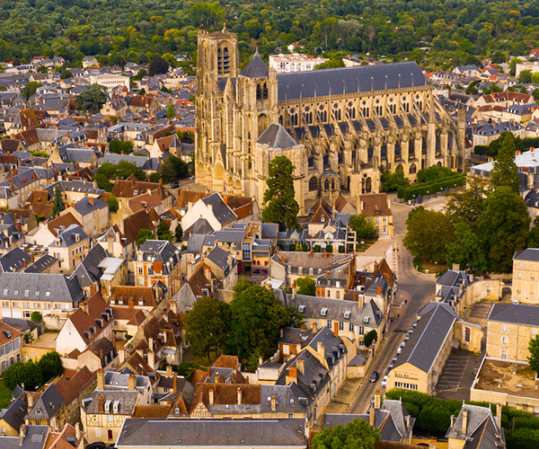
x: 416, y: 288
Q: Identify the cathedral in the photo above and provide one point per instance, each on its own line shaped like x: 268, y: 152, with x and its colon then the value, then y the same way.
x: 341, y: 128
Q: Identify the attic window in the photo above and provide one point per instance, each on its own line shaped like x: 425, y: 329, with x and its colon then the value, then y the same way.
x: 324, y: 311
x: 6, y: 291
x: 301, y: 308
x: 47, y: 293
x: 347, y: 314
x: 366, y: 319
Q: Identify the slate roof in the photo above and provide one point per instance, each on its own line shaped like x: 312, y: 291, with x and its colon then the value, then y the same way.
x: 41, y: 264
x: 88, y: 271
x: 220, y: 258
x: 40, y: 287
x: 481, y: 430
x: 14, y: 414
x: 320, y: 83
x: 14, y: 260
x: 428, y: 337
x: 68, y: 237
x: 515, y: 314
x: 256, y: 68
x: 275, y: 136
x: 221, y: 211
x: 47, y: 405
x: 35, y: 438
x: 210, y: 433
x: 160, y: 251
x: 528, y: 254
x: 86, y: 205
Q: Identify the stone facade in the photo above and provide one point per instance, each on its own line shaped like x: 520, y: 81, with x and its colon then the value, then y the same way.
x: 347, y: 125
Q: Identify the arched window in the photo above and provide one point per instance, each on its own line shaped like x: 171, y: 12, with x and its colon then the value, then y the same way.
x: 313, y: 184
x: 413, y: 169
x: 226, y: 61
x: 219, y: 61
x: 265, y: 91
x: 258, y: 92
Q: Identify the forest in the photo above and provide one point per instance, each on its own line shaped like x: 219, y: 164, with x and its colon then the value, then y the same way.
x: 437, y: 34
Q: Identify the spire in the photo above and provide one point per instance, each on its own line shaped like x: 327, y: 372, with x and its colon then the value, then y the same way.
x: 256, y: 68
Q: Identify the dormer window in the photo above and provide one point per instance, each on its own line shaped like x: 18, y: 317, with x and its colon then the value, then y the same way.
x: 324, y: 311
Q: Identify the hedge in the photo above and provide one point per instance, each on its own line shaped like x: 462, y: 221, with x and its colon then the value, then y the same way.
x: 408, y: 193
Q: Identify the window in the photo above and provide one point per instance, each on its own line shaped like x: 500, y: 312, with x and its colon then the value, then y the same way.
x: 140, y: 271
x: 504, y: 354
x: 341, y: 325
x: 405, y: 385
x: 329, y: 324
x: 467, y: 334
x: 361, y: 330
x: 286, y: 349
x: 504, y: 339
x: 505, y: 328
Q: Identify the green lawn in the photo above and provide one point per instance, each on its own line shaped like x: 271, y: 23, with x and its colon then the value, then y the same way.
x: 5, y: 395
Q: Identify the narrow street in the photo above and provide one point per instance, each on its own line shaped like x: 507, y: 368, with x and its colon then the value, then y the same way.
x: 414, y: 288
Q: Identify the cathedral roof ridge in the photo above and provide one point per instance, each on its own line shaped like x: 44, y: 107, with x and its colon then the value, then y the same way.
x: 277, y: 137
x: 256, y: 68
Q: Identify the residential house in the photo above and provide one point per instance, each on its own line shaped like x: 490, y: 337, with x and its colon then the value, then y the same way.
x: 12, y: 417
x: 92, y: 321
x: 11, y: 341
x: 420, y: 363
x: 10, y: 236
x: 92, y: 213
x: 526, y: 276
x: 69, y: 437
x: 377, y: 207
x: 29, y: 437
x: 476, y: 427
x: 70, y: 247
x: 157, y: 260
x: 15, y: 260
x: 23, y: 293
x: 213, y: 209
x: 140, y: 298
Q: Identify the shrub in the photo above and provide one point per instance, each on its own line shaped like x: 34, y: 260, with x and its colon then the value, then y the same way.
x: 317, y: 248
x: 341, y: 249
x: 329, y: 248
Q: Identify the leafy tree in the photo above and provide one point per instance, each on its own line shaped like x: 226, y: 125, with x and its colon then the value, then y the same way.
x: 178, y: 233
x: 281, y: 206
x: 535, y: 94
x: 505, y: 171
x: 92, y: 99
x: 356, y: 435
x: 19, y: 373
x: 36, y: 317
x: 171, y: 113
x: 427, y: 234
x: 143, y: 235
x: 50, y: 365
x: 525, y: 77
x: 466, y: 249
x: 392, y: 181
x: 163, y: 231
x: 468, y: 205
x: 120, y: 146
x: 158, y: 66
x: 533, y: 359
x: 533, y: 239
x: 121, y: 170
x: 503, y: 227
x: 113, y: 203
x: 370, y: 337
x: 256, y: 317
x: 28, y: 338
x: 331, y: 64
x: 306, y: 286
x: 65, y: 74
x: 58, y: 204
x: 207, y: 326
x: 173, y: 168
x: 30, y: 89
x: 363, y: 226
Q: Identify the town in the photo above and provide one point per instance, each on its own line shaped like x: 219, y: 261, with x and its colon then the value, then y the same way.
x: 286, y: 254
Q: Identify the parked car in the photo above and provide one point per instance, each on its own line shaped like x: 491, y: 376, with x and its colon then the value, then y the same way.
x: 374, y: 376
x: 407, y: 337
x: 384, y: 382
x: 401, y: 347
x: 174, y: 185
x: 97, y: 445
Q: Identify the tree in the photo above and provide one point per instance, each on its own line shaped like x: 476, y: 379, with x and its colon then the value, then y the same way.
x: 505, y: 171
x: 256, y: 317
x: 306, y: 286
x: 50, y: 365
x: 468, y: 205
x: 533, y: 238
x: 120, y: 146
x: 466, y: 249
x: 392, y: 181
x: 171, y: 113
x: 19, y: 373
x: 533, y: 359
x: 503, y: 227
x: 36, y: 317
x: 178, y: 233
x: 207, y: 326
x: 92, y: 99
x: 427, y: 234
x: 143, y: 235
x: 281, y: 206
x: 158, y: 66
x: 113, y: 203
x: 363, y: 226
x: 121, y: 170
x: 173, y: 168
x: 163, y: 231
x: 525, y: 77
x: 331, y: 64
x: 65, y: 74
x: 370, y: 337
x: 58, y: 204
x: 356, y: 435
x: 30, y: 89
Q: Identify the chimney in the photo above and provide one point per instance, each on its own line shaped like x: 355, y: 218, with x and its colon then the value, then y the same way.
x: 239, y: 395
x: 101, y: 404
x: 378, y: 291
x: 174, y: 383
x: 283, y: 259
x: 499, y: 416
x: 464, y: 421
x: 210, y: 396
x: 29, y: 400
x: 91, y: 200
x: 300, y: 363
x: 321, y: 349
x: 151, y: 359
x: 377, y: 399
x: 131, y: 382
x: 121, y: 355
x: 77, y: 432
x: 25, y: 262
x: 131, y: 303
x: 292, y: 375
x: 371, y: 417
x: 273, y: 403
x: 169, y: 370
x: 100, y: 379
x: 22, y: 433
x: 150, y: 344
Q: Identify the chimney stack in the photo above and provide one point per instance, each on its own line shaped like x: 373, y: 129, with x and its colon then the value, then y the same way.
x: 101, y: 404
x: 210, y: 396
x: 464, y: 421
x: 77, y: 432
x: 150, y: 343
x: 151, y: 359
x: 100, y: 379
x: 321, y: 349
x: 131, y: 382
x: 29, y: 400
x: 174, y: 383
x: 169, y: 370
x: 377, y: 400
x: 371, y: 416
x: 292, y: 375
x: 378, y: 291
x: 300, y: 365
x: 239, y: 396
x: 499, y: 415
x: 273, y: 403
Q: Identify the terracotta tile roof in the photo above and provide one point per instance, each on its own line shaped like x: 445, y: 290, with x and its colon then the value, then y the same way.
x: 189, y: 196
x: 137, y: 319
x: 164, y: 142
x: 135, y: 222
x: 322, y: 212
x: 82, y: 320
x: 227, y: 394
x: 341, y: 202
x: 131, y: 187
x: 386, y: 272
x: 163, y: 131
x: 146, y: 201
x: 199, y: 376
x: 124, y: 294
x: 151, y: 411
x: 70, y: 389
x: 227, y: 361
x: 3, y: 337
x: 374, y: 204
x: 65, y: 220
x: 124, y: 313
x: 58, y: 440
x: 137, y: 364
x: 198, y: 281
x: 8, y: 159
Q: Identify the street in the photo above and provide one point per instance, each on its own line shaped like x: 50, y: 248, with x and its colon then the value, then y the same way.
x: 417, y: 288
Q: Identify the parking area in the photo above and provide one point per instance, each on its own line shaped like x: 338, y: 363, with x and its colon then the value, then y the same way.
x: 458, y: 375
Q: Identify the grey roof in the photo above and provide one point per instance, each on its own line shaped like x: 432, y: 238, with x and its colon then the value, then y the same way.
x: 41, y: 264
x: 528, y: 254
x: 48, y: 404
x: 195, y: 243
x: 14, y: 413
x: 116, y: 380
x: 221, y: 211
x: 398, y: 416
x: 481, y: 429
x: 320, y: 83
x: 74, y: 186
x: 14, y: 260
x: 160, y: 251
x: 256, y: 68
x: 70, y: 236
x: 127, y: 401
x: 275, y: 136
x: 35, y: 438
x: 220, y: 258
x: 22, y: 325
x: 88, y: 271
x: 515, y: 314
x: 428, y: 337
x: 40, y: 287
x: 212, y: 433
x: 86, y: 206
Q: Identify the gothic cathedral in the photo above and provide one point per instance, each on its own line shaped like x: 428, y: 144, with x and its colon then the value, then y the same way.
x: 341, y: 128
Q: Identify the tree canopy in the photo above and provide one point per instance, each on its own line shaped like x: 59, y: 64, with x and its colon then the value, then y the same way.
x: 280, y: 204
x: 58, y: 204
x: 120, y: 146
x: 356, y: 435
x: 122, y: 170
x: 505, y: 171
x: 533, y: 359
x: 92, y: 99
x: 306, y: 286
x: 363, y: 226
